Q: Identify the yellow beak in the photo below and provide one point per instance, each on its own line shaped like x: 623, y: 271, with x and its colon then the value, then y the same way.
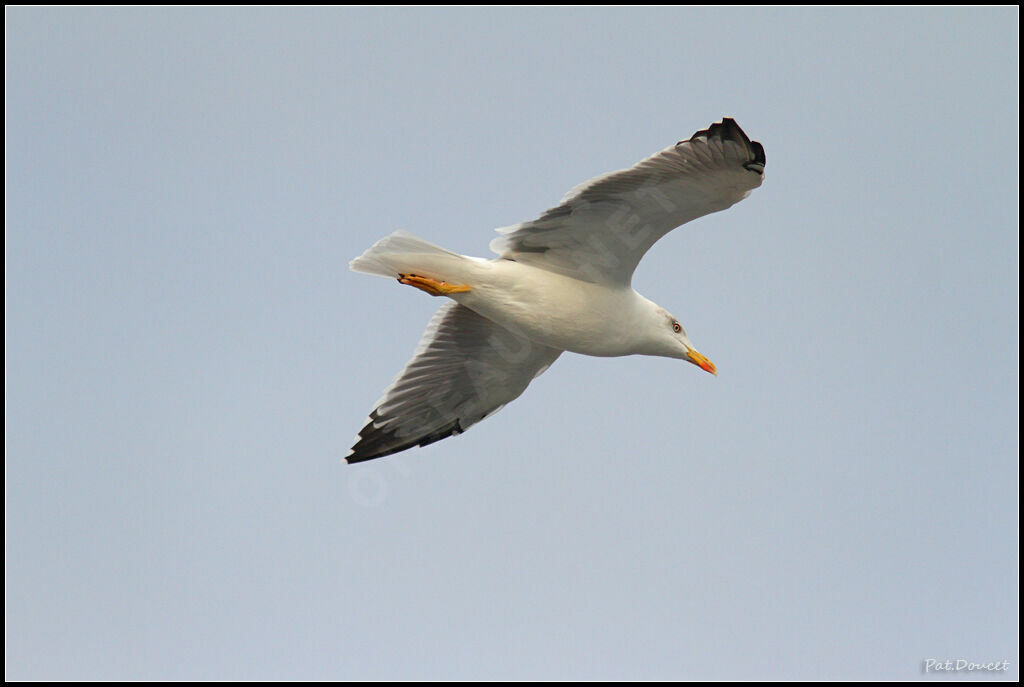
x: 702, y: 362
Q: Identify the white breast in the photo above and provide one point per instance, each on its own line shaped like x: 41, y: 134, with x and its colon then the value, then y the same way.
x: 555, y: 310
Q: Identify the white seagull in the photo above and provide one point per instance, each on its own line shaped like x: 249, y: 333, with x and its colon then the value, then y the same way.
x: 561, y: 282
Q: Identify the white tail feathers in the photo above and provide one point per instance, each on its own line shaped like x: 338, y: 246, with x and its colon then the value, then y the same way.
x: 403, y: 253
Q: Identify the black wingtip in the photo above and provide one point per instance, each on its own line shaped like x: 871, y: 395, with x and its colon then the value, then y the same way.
x: 375, y: 442
x: 729, y: 130
x: 758, y: 152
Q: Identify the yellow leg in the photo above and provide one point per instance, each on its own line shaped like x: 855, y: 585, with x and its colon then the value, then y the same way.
x: 432, y: 286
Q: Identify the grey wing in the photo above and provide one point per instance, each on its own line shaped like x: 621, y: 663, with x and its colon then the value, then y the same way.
x: 604, y: 226
x: 465, y: 368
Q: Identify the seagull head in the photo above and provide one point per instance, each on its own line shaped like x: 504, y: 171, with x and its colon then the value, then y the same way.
x: 674, y: 343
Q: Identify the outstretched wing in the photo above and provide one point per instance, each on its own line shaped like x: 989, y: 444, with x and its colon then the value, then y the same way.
x: 605, y: 226
x: 465, y: 368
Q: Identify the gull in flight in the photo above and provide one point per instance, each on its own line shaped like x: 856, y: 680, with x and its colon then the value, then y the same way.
x: 561, y: 282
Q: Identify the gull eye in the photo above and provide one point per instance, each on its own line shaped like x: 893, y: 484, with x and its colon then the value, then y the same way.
x: 676, y: 327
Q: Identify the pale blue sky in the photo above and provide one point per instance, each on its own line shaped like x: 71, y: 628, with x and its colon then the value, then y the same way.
x: 188, y: 356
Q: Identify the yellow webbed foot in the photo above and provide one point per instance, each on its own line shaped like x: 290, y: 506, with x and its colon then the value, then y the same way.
x: 432, y: 286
